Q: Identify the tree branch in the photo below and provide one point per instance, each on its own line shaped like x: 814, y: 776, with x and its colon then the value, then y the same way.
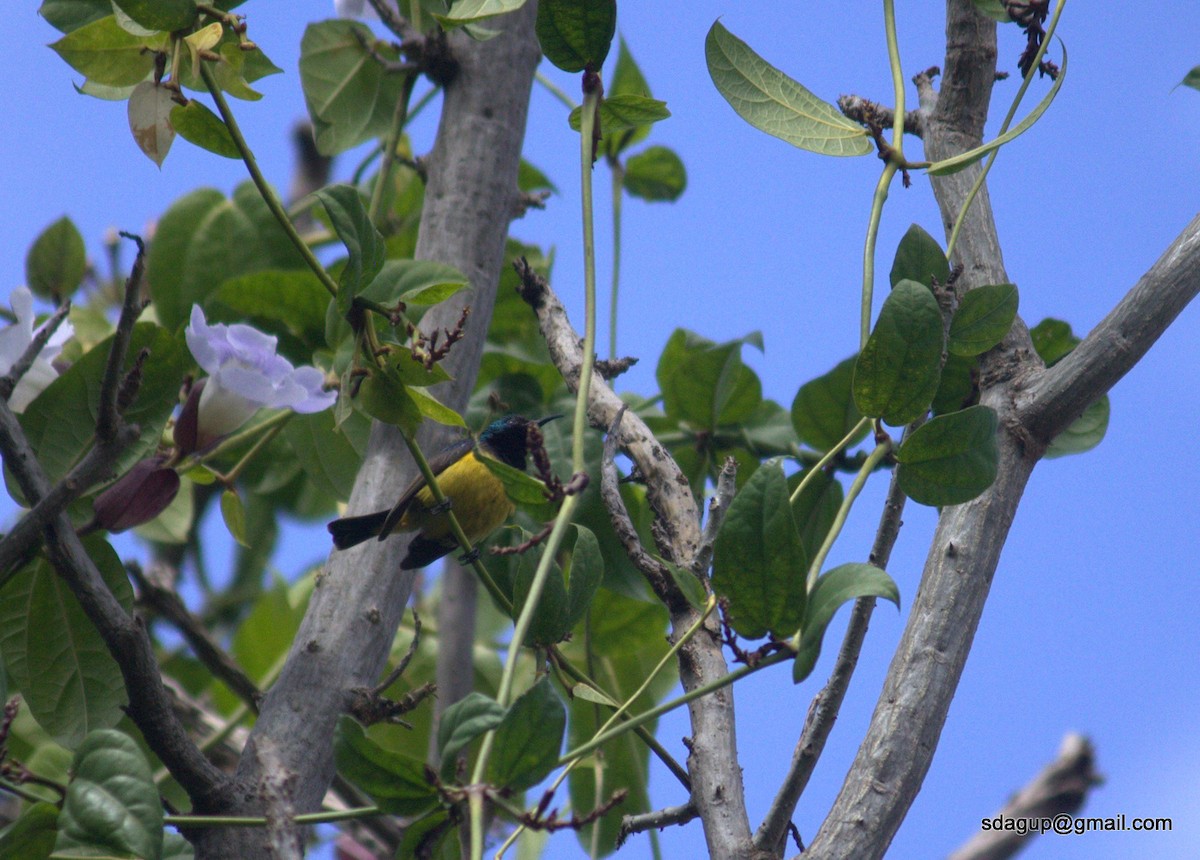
x: 823, y: 712
x: 1060, y: 789
x: 347, y: 631
x: 717, y: 787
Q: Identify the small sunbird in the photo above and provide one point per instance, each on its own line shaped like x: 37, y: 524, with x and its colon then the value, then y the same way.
x: 476, y: 496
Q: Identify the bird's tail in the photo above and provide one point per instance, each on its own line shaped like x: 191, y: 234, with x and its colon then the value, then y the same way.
x: 351, y: 531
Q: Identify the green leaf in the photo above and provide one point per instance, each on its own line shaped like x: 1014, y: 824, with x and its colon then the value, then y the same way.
x: 983, y: 318
x: 655, y: 174
x: 688, y: 583
x: 159, y: 14
x: 919, y: 258
x: 897, y: 372
x: 1052, y: 339
x: 234, y: 515
x: 519, y: 485
x: 958, y: 162
x: 384, y: 397
x: 350, y: 97
x: 994, y: 9
x: 433, y: 408
x: 772, y: 102
x: 57, y: 261
x: 627, y: 79
x: 31, y: 837
x: 957, y: 389
x: 434, y: 835
x: 53, y: 653
x: 464, y: 12
x: 363, y: 241
x: 196, y: 124
x: 394, y: 781
x: 61, y: 421
x: 112, y: 808
x: 815, y: 509
x: 832, y: 590
x: 759, y: 563
x: 706, y: 384
x: 1192, y: 78
x: 584, y: 575
x: 204, y: 240
x: 530, y: 179
x: 623, y: 112
x: 529, y: 739
x: 591, y: 694
x: 150, y: 106
x: 1084, y: 433
x: 414, y: 282
x: 575, y: 34
x: 287, y: 303
x: 331, y: 459
x: 461, y: 723
x: 951, y: 458
x: 823, y: 411
x: 175, y: 847
x: 105, y: 54
x: 550, y: 623
x: 68, y: 15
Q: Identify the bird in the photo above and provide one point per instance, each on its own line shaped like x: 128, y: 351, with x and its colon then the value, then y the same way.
x: 476, y: 496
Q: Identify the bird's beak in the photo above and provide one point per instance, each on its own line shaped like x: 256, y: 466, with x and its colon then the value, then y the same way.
x: 542, y: 422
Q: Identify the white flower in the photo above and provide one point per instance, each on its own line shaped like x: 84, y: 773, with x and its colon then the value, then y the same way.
x: 245, y: 374
x: 354, y: 9
x: 15, y: 339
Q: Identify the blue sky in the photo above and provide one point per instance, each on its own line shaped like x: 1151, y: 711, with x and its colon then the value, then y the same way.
x: 1090, y: 622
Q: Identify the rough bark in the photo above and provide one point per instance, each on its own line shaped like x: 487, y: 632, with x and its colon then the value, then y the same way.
x: 359, y: 599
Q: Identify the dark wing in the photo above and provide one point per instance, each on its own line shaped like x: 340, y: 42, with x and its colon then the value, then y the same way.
x: 437, y: 465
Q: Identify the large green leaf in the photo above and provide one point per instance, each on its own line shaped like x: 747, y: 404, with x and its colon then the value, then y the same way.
x: 414, y: 282
x: 576, y: 34
x: 159, y: 14
x: 350, y: 97
x: 983, y: 318
x: 31, y: 837
x: 529, y: 739
x: 706, y: 384
x: 833, y: 590
x: 330, y: 458
x: 771, y: 101
x: 363, y: 241
x: 897, y: 372
x: 57, y: 261
x: 394, y: 781
x: 549, y: 624
x: 68, y: 15
x: 919, y: 258
x: 951, y: 458
x: 106, y: 54
x: 958, y: 162
x: 196, y: 124
x: 824, y: 411
x: 655, y: 174
x: 286, y: 303
x: 1084, y: 433
x: 112, y: 808
x: 61, y: 421
x: 462, y: 722
x: 759, y: 562
x: 815, y: 509
x: 622, y: 113
x: 584, y: 575
x: 464, y: 12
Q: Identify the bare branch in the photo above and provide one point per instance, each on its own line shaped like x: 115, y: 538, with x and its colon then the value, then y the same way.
x: 1060, y: 789
x: 657, y: 820
x: 1120, y: 340
x: 108, y: 420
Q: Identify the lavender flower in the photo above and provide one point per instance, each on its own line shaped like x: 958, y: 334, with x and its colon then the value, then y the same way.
x: 244, y: 375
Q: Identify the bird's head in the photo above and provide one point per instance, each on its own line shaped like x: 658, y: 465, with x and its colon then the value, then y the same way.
x: 506, y: 437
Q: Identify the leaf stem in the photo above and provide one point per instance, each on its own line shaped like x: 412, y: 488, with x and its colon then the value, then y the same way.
x: 264, y: 189
x: 828, y: 458
x: 860, y: 480
x: 383, y: 178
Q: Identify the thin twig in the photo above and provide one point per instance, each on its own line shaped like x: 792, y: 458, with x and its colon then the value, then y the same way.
x: 168, y: 604
x: 109, y: 417
x: 657, y: 820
